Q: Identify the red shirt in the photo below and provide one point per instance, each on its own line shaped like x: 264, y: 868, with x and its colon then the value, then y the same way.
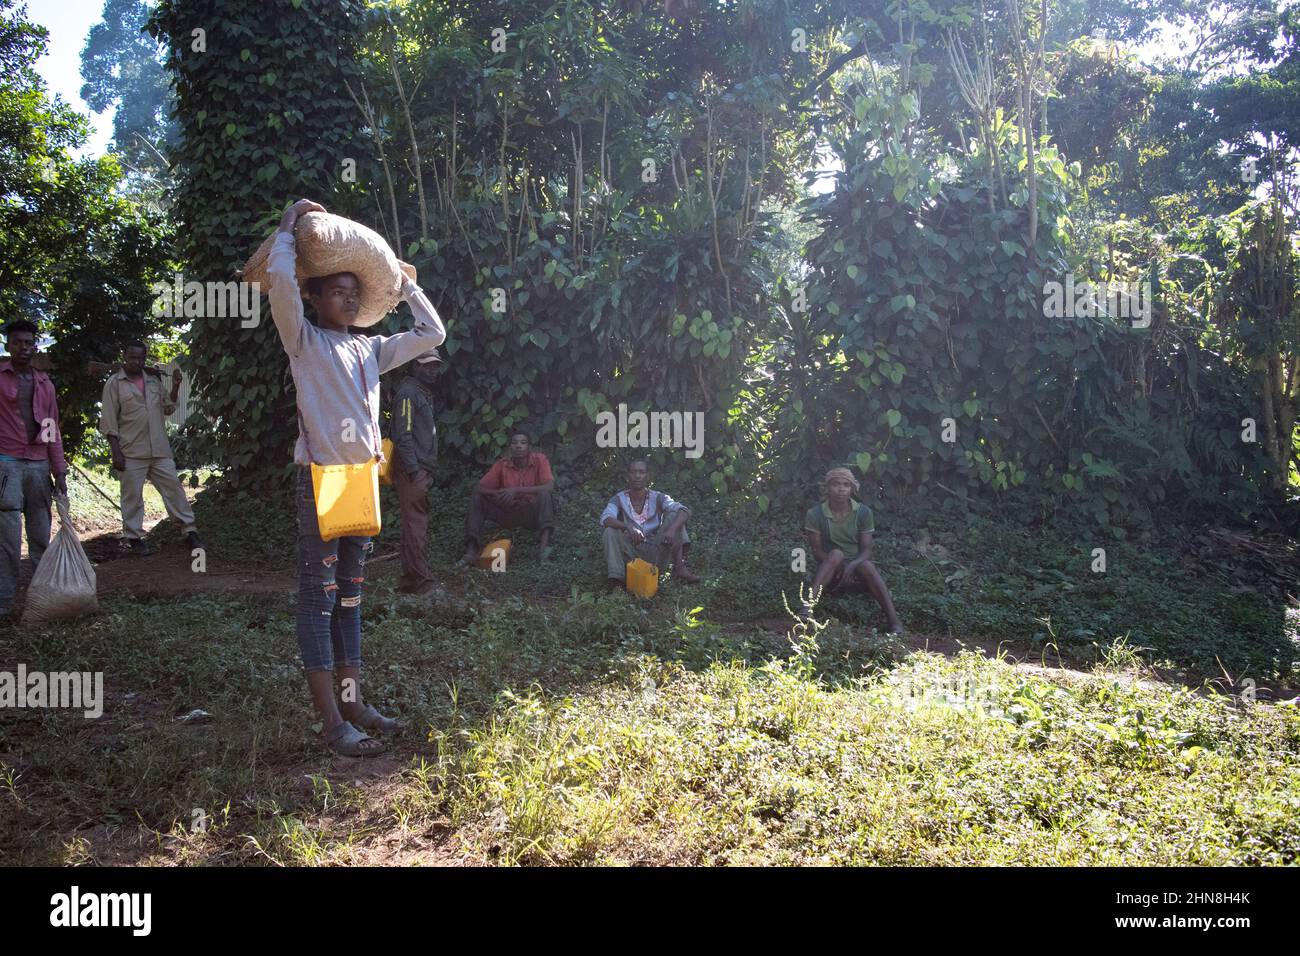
x: 13, y: 426
x: 504, y: 474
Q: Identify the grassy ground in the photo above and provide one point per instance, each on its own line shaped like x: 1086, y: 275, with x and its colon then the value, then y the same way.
x: 602, y: 730
x: 549, y: 723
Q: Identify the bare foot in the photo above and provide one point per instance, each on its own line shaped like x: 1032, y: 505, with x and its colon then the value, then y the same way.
x: 682, y: 576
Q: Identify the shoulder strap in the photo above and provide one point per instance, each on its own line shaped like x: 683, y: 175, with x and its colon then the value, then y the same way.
x: 365, y: 392
x: 824, y: 523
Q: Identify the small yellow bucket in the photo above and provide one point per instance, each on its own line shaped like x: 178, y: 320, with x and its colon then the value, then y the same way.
x: 489, y: 554
x: 642, y: 578
x: 347, y: 500
x: 386, y: 466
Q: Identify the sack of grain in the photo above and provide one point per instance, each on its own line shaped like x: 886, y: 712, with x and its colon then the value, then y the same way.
x: 63, y: 586
x: 326, y: 244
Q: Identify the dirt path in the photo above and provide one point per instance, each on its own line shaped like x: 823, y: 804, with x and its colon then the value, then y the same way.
x: 170, y: 572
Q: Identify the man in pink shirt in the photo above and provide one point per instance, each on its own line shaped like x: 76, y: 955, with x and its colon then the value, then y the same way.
x: 31, y: 454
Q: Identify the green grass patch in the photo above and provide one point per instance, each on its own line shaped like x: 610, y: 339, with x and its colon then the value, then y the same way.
x: 745, y: 765
x: 605, y: 729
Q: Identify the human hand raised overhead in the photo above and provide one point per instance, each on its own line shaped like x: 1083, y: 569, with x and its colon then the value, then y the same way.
x: 295, y: 210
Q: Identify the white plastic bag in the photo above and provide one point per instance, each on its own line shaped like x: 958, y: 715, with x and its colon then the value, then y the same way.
x: 63, y: 586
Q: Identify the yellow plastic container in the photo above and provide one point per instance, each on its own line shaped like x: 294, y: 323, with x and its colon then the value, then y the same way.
x: 386, y: 466
x: 347, y: 499
x: 642, y: 578
x: 489, y: 553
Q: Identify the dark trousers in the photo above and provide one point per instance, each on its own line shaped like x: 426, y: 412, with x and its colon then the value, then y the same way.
x: 330, y: 575
x: 538, y: 513
x: 413, y: 501
x: 25, y: 496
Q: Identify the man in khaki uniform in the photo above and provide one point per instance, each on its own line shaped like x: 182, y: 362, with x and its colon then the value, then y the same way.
x: 132, y: 420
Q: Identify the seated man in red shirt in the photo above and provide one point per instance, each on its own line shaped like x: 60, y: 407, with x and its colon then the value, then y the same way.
x: 515, y: 493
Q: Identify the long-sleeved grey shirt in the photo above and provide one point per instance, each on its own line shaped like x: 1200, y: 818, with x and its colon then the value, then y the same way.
x: 339, y: 413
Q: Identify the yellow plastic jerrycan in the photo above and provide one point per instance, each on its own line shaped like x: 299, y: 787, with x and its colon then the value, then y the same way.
x: 488, y: 556
x: 642, y: 578
x: 386, y: 466
x: 347, y: 499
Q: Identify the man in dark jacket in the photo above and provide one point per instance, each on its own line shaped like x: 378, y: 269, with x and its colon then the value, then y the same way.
x: 415, y: 439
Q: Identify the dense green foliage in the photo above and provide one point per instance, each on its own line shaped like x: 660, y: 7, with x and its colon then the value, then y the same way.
x: 928, y: 355
x: 75, y: 256
x: 602, y: 198
x: 608, y: 171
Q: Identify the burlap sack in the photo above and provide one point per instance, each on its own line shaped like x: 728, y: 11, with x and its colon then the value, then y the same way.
x: 326, y: 244
x: 63, y: 586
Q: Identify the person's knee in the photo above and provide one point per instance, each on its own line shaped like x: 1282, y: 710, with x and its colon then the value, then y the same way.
x: 318, y: 573
x: 611, y: 534
x: 834, y: 558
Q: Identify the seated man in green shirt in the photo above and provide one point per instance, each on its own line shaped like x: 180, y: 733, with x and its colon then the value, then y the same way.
x: 839, y: 533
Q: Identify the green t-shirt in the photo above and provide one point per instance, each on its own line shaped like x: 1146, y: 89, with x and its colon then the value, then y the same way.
x: 842, y: 534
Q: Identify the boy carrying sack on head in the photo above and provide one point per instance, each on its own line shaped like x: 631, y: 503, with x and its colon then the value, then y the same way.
x: 336, y: 375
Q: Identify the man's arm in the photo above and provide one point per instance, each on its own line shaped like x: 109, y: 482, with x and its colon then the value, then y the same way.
x: 814, y: 539
x: 119, y: 460
x: 491, y: 482
x: 58, y: 464
x: 864, y: 547
x: 108, y: 409
x: 427, y: 332
x: 670, y: 505
x: 169, y: 402
x: 531, y: 489
x: 680, y: 513
x: 108, y: 423
x: 404, y: 435
x: 609, y: 517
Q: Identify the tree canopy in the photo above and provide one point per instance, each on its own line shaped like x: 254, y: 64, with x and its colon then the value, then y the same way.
x: 618, y: 202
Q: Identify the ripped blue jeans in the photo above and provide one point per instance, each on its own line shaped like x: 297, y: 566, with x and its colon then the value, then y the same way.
x: 330, y: 575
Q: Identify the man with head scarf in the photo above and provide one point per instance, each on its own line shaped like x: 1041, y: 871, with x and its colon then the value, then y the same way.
x: 838, y: 531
